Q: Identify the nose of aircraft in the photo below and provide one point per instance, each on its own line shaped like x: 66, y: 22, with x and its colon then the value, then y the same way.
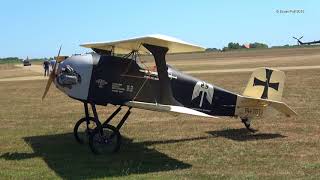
x: 72, y: 75
x: 66, y: 74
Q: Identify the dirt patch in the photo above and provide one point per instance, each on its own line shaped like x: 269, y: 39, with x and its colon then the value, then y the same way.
x: 26, y: 78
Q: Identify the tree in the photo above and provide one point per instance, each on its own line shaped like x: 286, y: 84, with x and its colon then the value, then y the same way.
x: 212, y: 50
x: 233, y: 45
x: 258, y: 45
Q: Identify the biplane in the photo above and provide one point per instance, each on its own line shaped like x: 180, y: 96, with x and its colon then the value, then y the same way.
x: 299, y: 42
x: 112, y: 74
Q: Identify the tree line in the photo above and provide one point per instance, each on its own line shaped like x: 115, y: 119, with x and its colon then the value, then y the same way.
x: 236, y: 46
x: 232, y: 46
x: 19, y: 60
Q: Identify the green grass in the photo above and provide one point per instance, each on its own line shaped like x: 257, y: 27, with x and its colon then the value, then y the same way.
x: 36, y: 140
x: 10, y: 62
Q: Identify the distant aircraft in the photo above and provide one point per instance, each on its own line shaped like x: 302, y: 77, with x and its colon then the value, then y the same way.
x: 103, y: 77
x: 299, y: 42
x: 26, y: 62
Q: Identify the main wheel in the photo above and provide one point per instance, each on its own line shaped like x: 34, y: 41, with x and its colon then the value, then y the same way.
x: 80, y: 131
x: 106, y: 141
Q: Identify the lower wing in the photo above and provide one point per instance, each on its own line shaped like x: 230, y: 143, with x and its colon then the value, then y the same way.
x: 166, y: 108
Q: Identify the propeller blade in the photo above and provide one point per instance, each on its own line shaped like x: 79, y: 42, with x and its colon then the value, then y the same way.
x: 301, y: 37
x: 59, y: 51
x: 52, y: 75
x: 49, y: 82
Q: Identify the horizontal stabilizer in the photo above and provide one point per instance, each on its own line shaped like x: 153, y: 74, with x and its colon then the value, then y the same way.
x: 166, y: 108
x: 254, y: 107
x: 284, y: 108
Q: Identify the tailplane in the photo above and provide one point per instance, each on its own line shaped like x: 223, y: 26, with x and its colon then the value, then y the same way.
x: 264, y: 90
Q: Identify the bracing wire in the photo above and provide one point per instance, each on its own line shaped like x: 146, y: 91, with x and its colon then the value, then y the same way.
x: 137, y: 54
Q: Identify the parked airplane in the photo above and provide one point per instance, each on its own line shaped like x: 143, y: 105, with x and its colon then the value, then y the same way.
x: 299, y: 42
x: 102, y: 78
x: 26, y: 62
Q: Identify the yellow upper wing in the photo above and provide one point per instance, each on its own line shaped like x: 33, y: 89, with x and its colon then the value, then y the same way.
x: 126, y: 46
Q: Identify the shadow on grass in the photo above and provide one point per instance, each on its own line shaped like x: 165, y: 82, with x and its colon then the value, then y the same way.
x: 244, y: 135
x: 171, y: 141
x: 70, y: 160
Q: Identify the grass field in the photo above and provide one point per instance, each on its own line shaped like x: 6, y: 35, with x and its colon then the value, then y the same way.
x: 11, y: 71
x: 36, y: 140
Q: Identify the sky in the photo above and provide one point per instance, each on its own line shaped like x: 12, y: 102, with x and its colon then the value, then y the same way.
x: 36, y: 28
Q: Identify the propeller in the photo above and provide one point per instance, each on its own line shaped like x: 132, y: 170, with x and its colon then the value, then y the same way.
x: 298, y: 40
x: 53, y: 73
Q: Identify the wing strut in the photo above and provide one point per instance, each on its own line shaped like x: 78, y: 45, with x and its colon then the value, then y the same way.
x: 159, y: 54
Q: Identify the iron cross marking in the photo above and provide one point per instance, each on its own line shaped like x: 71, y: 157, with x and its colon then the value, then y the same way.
x: 267, y: 84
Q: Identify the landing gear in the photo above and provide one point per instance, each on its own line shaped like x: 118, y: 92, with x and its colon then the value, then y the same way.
x: 83, y: 128
x: 106, y: 141
x: 247, y: 124
x: 102, y: 138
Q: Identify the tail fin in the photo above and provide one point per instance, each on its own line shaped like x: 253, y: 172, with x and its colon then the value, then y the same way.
x: 265, y: 83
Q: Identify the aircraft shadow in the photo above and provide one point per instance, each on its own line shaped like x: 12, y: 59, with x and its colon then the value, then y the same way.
x: 244, y: 135
x: 71, y: 160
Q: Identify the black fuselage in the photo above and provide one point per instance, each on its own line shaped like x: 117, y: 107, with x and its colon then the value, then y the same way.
x: 117, y: 80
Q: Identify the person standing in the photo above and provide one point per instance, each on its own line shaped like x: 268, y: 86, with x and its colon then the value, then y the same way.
x: 46, y: 68
x: 51, y: 66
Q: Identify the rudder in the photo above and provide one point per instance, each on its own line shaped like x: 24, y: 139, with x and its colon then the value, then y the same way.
x: 265, y: 83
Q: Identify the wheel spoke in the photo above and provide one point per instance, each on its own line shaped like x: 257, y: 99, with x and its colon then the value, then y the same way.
x: 108, y: 142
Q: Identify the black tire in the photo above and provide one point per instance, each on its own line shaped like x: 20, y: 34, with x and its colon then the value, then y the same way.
x: 80, y: 130
x: 109, y: 142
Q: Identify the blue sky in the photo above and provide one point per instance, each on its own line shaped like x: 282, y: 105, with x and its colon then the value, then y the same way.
x: 36, y: 28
